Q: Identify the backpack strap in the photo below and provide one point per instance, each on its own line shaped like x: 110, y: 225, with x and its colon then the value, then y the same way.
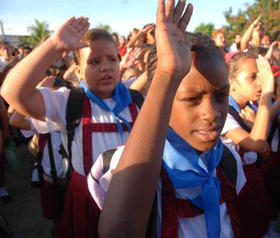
x: 236, y: 116
x: 272, y: 131
x: 51, y: 158
x: 107, y: 157
x: 152, y: 224
x: 229, y: 165
x: 73, y: 117
x: 137, y: 97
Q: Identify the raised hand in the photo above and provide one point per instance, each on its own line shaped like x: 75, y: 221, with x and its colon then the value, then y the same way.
x: 69, y: 34
x: 48, y: 82
x: 173, y: 52
x: 257, y: 21
x: 265, y: 75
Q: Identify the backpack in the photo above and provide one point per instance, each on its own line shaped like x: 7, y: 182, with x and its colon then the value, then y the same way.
x: 229, y: 166
x: 74, y: 113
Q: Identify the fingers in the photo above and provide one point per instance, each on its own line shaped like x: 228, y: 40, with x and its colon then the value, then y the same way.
x: 83, y: 23
x: 178, y: 11
x: 255, y: 23
x: 80, y: 24
x: 186, y: 18
x: 161, y: 11
x: 174, y: 14
x: 170, y: 10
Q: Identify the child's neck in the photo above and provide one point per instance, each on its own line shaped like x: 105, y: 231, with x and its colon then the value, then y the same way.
x: 241, y: 102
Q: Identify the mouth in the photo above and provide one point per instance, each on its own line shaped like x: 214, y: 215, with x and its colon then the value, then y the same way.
x: 208, y: 135
x: 107, y: 79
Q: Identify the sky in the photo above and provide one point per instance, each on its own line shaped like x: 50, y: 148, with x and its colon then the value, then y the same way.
x: 121, y: 15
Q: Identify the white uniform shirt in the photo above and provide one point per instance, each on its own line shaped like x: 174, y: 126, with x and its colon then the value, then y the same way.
x: 188, y: 227
x: 248, y: 157
x: 55, y: 107
x: 60, y: 163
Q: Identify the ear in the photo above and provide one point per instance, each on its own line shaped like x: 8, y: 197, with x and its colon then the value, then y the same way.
x: 232, y: 84
x: 77, y: 70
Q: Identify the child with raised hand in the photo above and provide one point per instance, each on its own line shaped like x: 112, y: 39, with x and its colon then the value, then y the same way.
x: 246, y: 130
x: 180, y: 121
x: 108, y: 111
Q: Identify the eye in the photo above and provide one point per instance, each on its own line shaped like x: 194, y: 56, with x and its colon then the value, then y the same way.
x: 192, y: 99
x: 93, y: 61
x: 113, y: 59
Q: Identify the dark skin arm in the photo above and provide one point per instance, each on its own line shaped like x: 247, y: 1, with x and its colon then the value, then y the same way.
x: 126, y: 209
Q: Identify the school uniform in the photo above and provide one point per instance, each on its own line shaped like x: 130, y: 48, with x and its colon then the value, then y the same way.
x: 97, y: 132
x: 176, y: 215
x: 254, y: 200
x: 52, y: 199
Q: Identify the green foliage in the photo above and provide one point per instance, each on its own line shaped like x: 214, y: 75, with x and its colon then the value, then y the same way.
x: 38, y: 32
x: 206, y: 29
x: 105, y: 27
x: 269, y: 9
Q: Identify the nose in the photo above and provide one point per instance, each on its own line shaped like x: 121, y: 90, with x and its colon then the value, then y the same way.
x: 104, y: 66
x: 209, y: 109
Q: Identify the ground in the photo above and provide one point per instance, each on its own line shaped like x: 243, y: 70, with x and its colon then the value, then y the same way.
x: 23, y: 212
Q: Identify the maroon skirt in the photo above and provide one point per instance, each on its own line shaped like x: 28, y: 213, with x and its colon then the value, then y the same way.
x: 3, y: 162
x: 255, y: 211
x: 52, y: 199
x: 271, y: 174
x: 81, y: 214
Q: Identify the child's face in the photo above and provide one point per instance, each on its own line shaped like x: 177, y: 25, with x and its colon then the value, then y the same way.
x: 99, y: 67
x: 201, y: 104
x: 247, y: 85
x: 220, y: 40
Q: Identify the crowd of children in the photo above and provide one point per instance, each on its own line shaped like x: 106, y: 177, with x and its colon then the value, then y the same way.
x: 164, y: 134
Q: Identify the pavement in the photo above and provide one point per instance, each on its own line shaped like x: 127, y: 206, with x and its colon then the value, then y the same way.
x: 23, y: 212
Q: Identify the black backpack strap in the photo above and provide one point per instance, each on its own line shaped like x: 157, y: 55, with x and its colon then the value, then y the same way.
x: 152, y: 225
x: 39, y: 166
x: 236, y: 116
x: 51, y: 157
x: 74, y: 111
x: 229, y: 165
x: 107, y: 157
x: 137, y: 97
x: 273, y: 128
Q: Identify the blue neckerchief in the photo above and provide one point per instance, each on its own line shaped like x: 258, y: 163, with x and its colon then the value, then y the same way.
x: 181, y: 162
x: 233, y: 103
x: 122, y: 98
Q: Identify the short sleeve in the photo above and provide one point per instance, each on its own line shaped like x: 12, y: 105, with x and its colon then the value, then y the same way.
x: 241, y: 179
x: 98, y: 182
x: 230, y: 124
x: 55, y: 108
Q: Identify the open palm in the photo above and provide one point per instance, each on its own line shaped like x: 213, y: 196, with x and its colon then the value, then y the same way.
x: 174, y: 55
x: 69, y: 34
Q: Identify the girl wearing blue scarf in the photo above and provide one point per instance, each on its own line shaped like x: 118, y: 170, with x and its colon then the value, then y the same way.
x: 174, y: 147
x: 251, y: 79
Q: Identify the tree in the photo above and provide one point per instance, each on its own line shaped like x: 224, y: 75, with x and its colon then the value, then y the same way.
x: 206, y: 29
x: 269, y: 9
x: 105, y: 27
x: 38, y: 32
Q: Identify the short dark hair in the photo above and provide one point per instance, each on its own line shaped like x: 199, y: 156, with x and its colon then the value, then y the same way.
x: 199, y: 43
x: 92, y: 35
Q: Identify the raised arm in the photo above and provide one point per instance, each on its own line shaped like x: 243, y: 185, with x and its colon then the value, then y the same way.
x: 256, y: 139
x: 247, y: 36
x: 132, y: 190
x: 19, y: 87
